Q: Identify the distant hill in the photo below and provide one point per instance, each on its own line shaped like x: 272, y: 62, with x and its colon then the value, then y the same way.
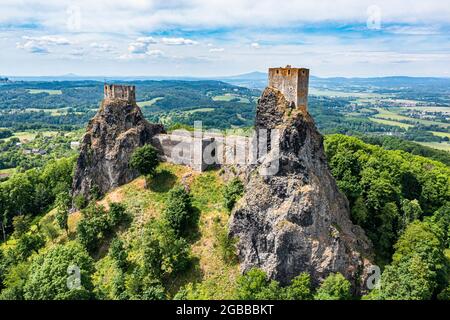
x: 258, y: 80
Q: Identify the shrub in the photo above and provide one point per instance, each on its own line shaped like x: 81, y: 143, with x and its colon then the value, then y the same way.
x: 62, y: 202
x: 226, y: 244
x: 145, y: 160
x: 232, y: 192
x: 179, y: 212
x: 300, y: 288
x: 80, y: 202
x: 28, y: 244
x: 154, y: 292
x: 334, y: 287
x: 93, y: 227
x: 444, y: 294
x: 118, y: 253
x: 14, y: 281
x: 97, y: 223
x: 254, y: 285
x: 164, y: 253
x: 117, y: 214
x: 20, y: 224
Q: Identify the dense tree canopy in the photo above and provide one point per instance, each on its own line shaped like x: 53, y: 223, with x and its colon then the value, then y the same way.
x: 49, y: 273
x: 386, y: 189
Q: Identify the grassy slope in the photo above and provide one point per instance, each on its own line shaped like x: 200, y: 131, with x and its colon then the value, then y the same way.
x: 215, y: 277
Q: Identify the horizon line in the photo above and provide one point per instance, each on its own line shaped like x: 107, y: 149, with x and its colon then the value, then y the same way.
x: 214, y: 77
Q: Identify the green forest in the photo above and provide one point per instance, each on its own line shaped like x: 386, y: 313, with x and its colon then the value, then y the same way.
x: 145, y: 244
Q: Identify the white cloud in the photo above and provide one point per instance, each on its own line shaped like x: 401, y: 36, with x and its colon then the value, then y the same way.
x: 137, y: 47
x: 41, y: 44
x: 32, y: 46
x: 178, y: 41
x: 135, y: 16
x: 49, y: 40
x: 217, y: 50
x: 130, y: 56
x: 101, y: 46
x: 140, y: 45
x: 146, y: 40
x: 155, y: 53
x: 188, y: 29
x: 413, y: 30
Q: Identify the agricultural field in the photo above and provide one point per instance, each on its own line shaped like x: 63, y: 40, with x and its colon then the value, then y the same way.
x: 361, y: 96
x: 231, y: 97
x: 30, y: 135
x: 149, y: 103
x: 199, y: 110
x: 437, y: 145
x: 393, y: 114
x: 392, y: 123
x: 51, y: 92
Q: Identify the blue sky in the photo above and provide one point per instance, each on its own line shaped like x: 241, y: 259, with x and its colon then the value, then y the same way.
x: 224, y: 37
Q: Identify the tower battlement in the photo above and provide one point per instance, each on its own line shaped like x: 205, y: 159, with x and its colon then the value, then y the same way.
x: 122, y: 92
x: 293, y: 83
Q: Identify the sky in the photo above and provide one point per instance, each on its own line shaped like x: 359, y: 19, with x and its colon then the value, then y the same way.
x: 204, y: 38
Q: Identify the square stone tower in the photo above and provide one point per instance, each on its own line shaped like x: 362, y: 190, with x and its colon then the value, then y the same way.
x: 121, y: 92
x: 293, y: 83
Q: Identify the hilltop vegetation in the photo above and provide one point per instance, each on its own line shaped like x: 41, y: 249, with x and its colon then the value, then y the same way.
x: 169, y: 240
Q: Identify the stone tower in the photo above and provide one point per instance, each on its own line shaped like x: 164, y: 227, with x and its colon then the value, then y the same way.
x: 293, y: 83
x: 114, y: 91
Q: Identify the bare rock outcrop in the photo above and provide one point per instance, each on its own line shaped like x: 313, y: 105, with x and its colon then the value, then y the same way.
x: 111, y: 137
x: 297, y: 220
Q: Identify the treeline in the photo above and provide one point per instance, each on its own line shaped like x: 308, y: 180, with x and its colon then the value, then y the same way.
x: 5, y: 133
x: 395, y: 143
x: 403, y: 203
x: 41, y: 119
x: 224, y: 115
x: 17, y: 96
x: 32, y: 192
x: 387, y: 189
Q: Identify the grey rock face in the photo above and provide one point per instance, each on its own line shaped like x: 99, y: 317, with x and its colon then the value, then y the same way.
x: 297, y: 220
x: 111, y: 137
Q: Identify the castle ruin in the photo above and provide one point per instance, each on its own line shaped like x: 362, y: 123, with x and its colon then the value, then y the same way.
x: 293, y: 84
x: 121, y: 92
x: 201, y: 150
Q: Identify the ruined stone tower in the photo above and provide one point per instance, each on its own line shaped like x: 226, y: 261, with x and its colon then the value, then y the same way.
x: 293, y: 84
x: 114, y: 91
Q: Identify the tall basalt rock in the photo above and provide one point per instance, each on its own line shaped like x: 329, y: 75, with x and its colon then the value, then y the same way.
x: 297, y: 220
x: 111, y: 136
